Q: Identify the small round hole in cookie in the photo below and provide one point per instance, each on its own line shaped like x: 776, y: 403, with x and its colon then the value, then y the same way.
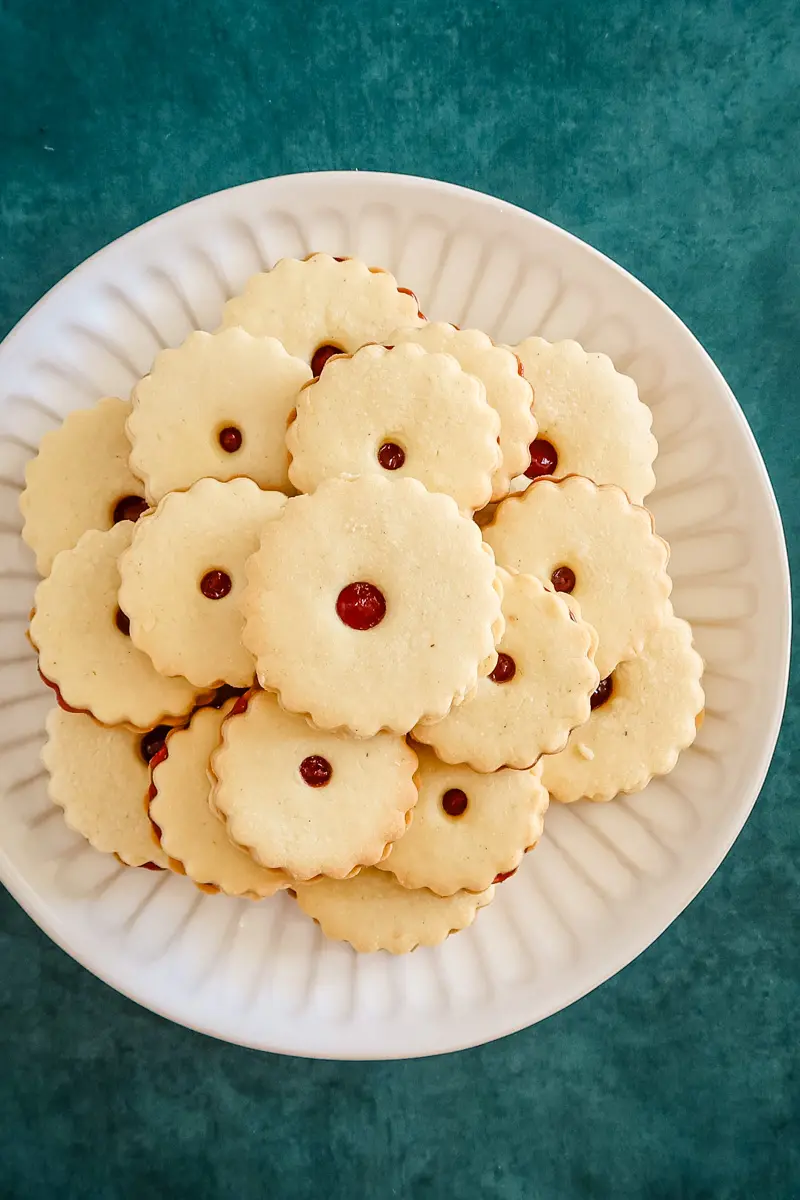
x: 563, y: 579
x: 316, y: 771
x: 321, y: 356
x: 505, y: 669
x: 129, y: 508
x: 361, y: 605
x: 216, y: 584
x: 230, y: 438
x: 391, y: 456
x: 544, y: 459
x: 602, y: 693
x: 455, y: 802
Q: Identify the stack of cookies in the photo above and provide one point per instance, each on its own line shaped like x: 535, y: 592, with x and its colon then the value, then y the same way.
x: 341, y: 598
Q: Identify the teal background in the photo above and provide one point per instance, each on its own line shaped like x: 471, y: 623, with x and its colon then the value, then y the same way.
x: 667, y: 136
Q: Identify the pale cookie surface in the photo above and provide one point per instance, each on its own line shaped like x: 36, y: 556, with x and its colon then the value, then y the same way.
x: 320, y: 301
x: 507, y: 391
x: 414, y: 582
x: 373, y: 912
x: 538, y: 691
x: 560, y: 529
x: 100, y: 779
x: 308, y: 802
x: 184, y: 574
x: 77, y: 479
x: 651, y: 715
x: 217, y: 406
x: 193, y: 836
x: 400, y: 412
x: 467, y: 828
x: 591, y: 415
x: 82, y: 649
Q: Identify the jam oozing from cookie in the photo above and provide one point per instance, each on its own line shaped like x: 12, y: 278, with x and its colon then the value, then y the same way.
x: 520, y: 368
x: 544, y: 459
x: 230, y: 438
x: 361, y: 605
x: 123, y: 623
x: 316, y: 771
x: 215, y: 584
x: 153, y: 742
x: 505, y: 670
x: 454, y: 802
x: 129, y: 508
x: 563, y: 579
x: 408, y: 292
x: 321, y: 356
x: 391, y: 456
x: 225, y: 693
x: 602, y: 692
x: 504, y: 875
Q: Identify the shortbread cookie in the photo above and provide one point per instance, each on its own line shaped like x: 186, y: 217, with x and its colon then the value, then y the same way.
x: 322, y: 305
x: 591, y: 420
x: 590, y: 541
x: 644, y: 715
x: 307, y: 802
x: 80, y: 480
x: 82, y: 637
x: 507, y: 391
x: 372, y: 604
x: 189, y: 832
x: 216, y: 407
x: 467, y: 829
x: 538, y: 691
x: 373, y: 912
x: 183, y: 576
x: 100, y: 778
x: 397, y: 412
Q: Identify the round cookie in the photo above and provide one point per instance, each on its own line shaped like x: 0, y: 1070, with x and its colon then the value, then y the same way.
x: 83, y: 643
x: 182, y: 578
x: 642, y: 719
x: 321, y: 305
x: 591, y: 420
x: 397, y: 412
x: 373, y: 912
x: 467, y: 828
x: 100, y: 777
x: 590, y: 541
x: 538, y: 692
x: 193, y: 836
x: 80, y: 480
x: 507, y: 391
x: 307, y: 802
x: 216, y: 407
x: 372, y: 605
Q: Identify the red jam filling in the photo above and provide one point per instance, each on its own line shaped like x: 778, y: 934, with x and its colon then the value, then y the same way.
x: 361, y: 606
x: 408, y: 292
x: 230, y: 438
x: 316, y: 771
x: 129, y: 508
x: 454, y: 802
x: 153, y: 745
x: 544, y: 459
x: 501, y: 878
x: 563, y: 579
x: 602, y: 692
x: 321, y: 356
x: 391, y: 456
x: 123, y: 623
x: 505, y: 670
x: 215, y: 584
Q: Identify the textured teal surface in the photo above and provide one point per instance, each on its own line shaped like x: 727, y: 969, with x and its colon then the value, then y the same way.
x: 667, y: 136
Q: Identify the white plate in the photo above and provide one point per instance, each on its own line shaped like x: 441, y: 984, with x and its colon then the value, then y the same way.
x: 607, y: 879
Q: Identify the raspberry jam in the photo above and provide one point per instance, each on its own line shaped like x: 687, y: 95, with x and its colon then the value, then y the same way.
x: 391, y: 456
x: 230, y: 438
x: 454, y: 802
x: 123, y: 623
x: 321, y: 356
x: 544, y: 459
x: 129, y: 508
x: 505, y: 670
x: 361, y: 606
x: 316, y: 771
x: 602, y: 692
x: 563, y: 579
x: 504, y: 875
x: 153, y: 743
x: 215, y: 584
